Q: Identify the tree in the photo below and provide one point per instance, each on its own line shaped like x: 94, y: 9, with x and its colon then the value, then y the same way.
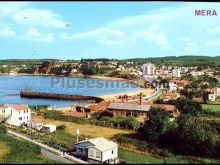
x: 189, y: 92
x: 158, y: 124
x: 197, y: 134
x: 186, y: 106
x: 3, y: 129
x: 61, y: 127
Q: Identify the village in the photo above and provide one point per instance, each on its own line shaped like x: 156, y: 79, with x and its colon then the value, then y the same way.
x: 164, y: 88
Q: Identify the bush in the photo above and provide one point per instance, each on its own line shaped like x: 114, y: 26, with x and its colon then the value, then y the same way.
x: 98, y: 115
x: 3, y: 129
x: 61, y: 127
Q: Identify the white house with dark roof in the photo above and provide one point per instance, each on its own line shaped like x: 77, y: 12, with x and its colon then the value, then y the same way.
x: 98, y: 150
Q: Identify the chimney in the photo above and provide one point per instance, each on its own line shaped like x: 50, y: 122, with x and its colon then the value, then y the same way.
x: 122, y: 99
x: 141, y: 98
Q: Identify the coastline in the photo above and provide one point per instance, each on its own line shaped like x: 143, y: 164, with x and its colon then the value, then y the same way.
x: 113, y: 96
x: 76, y: 76
x: 106, y: 97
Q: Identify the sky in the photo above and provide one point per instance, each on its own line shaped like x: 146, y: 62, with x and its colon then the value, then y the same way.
x: 121, y: 30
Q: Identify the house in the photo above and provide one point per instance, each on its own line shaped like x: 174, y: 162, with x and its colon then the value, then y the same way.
x: 173, y: 86
x: 176, y: 73
x: 211, y: 97
x: 36, y: 126
x: 98, y: 107
x: 128, y: 109
x: 17, y: 115
x: 49, y: 127
x: 171, y: 95
x: 203, y: 83
x: 215, y: 91
x: 98, y: 150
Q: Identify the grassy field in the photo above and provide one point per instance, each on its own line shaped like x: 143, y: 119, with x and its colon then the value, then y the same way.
x: 86, y: 130
x: 16, y: 151
x: 141, y: 159
x: 213, y: 108
x: 4, y: 151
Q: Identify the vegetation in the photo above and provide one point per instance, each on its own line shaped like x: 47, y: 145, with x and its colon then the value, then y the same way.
x: 124, y: 75
x: 158, y: 124
x: 86, y: 130
x: 100, y: 118
x: 61, y: 127
x: 93, y: 70
x: 21, y: 151
x: 3, y: 129
x: 212, y: 108
x: 132, y: 157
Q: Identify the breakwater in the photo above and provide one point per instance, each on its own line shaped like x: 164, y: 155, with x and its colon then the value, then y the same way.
x: 32, y: 94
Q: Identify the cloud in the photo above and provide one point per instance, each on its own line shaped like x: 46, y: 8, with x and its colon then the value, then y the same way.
x: 35, y: 35
x: 98, y: 32
x: 184, y: 39
x: 39, y: 17
x: 110, y: 42
x: 214, y: 42
x: 151, y: 34
x: 7, y: 8
x: 214, y: 29
x: 191, y: 47
x: 64, y: 36
x: 7, y: 32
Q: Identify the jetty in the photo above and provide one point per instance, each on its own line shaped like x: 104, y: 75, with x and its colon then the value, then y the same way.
x: 34, y: 94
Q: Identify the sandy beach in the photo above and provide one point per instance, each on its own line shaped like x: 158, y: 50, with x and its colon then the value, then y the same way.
x: 114, y: 96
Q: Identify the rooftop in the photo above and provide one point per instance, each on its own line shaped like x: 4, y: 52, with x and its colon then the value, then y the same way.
x: 20, y: 107
x: 129, y: 106
x: 100, y: 143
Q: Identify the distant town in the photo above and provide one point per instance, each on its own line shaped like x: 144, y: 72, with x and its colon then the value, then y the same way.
x: 173, y: 117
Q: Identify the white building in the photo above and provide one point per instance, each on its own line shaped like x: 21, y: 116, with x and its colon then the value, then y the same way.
x: 173, y: 86
x: 36, y: 126
x: 49, y: 127
x: 176, y: 73
x: 215, y: 91
x: 148, y: 69
x: 17, y: 115
x: 97, y: 150
x: 211, y: 97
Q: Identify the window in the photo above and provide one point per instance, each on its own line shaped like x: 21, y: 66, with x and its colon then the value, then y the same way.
x: 20, y: 118
x: 91, y: 153
x: 27, y: 117
x: 98, y: 154
x: 80, y: 150
x: 112, y: 151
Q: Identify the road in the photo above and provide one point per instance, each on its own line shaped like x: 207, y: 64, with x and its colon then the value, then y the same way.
x: 58, y: 157
x: 154, y: 95
x: 55, y: 157
x: 158, y: 90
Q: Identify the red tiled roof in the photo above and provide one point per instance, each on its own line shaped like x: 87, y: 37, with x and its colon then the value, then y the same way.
x: 20, y: 107
x: 98, y: 107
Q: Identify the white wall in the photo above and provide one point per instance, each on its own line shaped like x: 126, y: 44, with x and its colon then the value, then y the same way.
x: 94, y: 150
x: 108, y: 154
x: 17, y: 117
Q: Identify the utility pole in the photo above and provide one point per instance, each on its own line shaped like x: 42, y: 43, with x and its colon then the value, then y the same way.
x: 77, y: 135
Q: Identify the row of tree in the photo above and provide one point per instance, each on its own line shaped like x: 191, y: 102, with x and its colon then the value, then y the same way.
x: 189, y: 134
